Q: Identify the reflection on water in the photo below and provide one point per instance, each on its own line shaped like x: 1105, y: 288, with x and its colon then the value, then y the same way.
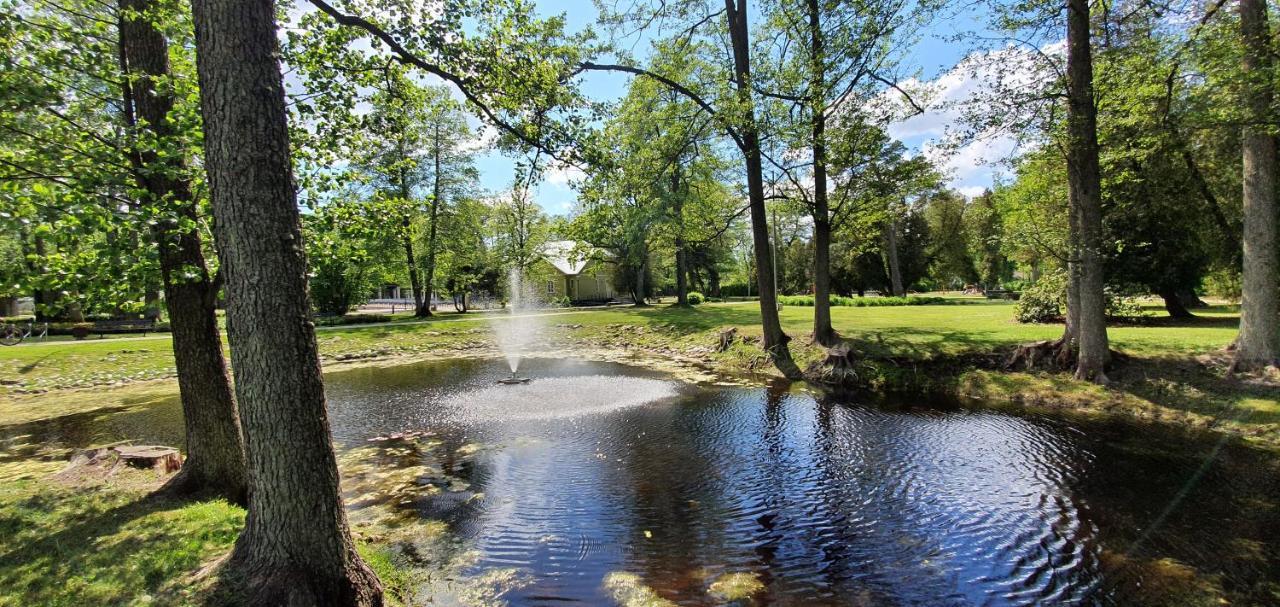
x: 778, y: 495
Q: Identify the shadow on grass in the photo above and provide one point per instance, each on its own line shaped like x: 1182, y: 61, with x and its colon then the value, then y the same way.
x: 1184, y: 384
x: 90, y: 545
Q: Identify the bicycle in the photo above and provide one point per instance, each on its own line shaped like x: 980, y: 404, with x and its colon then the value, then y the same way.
x: 11, y: 334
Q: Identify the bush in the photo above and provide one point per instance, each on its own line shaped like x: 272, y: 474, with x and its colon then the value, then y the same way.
x: 865, y: 302
x: 737, y: 289
x: 1224, y: 283
x: 694, y: 298
x: 1044, y: 301
x: 353, y: 319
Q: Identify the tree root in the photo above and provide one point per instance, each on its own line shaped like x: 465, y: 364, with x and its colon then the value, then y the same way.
x: 1053, y: 354
x: 839, y: 367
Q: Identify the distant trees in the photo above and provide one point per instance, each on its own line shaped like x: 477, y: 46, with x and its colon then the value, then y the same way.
x: 662, y: 182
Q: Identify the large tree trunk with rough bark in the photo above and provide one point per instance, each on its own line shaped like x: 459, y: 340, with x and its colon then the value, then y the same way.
x: 823, y: 333
x: 1084, y: 182
x: 296, y: 548
x: 774, y: 339
x: 215, y: 462
x: 1258, y: 344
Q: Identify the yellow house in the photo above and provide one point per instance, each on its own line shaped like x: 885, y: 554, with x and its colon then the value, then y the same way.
x: 578, y: 272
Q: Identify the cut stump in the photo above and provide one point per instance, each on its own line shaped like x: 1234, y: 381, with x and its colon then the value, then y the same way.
x: 163, y: 459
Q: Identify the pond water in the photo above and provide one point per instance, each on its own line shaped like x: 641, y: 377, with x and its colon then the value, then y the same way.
x: 597, y: 482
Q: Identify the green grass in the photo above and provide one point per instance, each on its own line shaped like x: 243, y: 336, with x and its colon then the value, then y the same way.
x: 98, y: 544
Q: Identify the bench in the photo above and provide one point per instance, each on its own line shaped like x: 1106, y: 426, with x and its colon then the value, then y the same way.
x: 139, y: 325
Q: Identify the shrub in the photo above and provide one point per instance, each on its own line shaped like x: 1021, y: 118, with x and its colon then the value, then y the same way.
x: 694, y: 298
x: 1044, y: 301
x: 865, y: 302
x: 353, y: 319
x: 737, y: 289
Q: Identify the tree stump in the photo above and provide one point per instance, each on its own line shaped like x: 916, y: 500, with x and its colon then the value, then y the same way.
x: 726, y: 339
x: 163, y: 459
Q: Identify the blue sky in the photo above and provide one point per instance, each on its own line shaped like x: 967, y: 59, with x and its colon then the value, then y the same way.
x: 933, y: 57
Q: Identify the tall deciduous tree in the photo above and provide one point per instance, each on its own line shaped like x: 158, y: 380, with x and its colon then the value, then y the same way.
x: 215, y: 452
x: 832, y: 60
x: 1259, y: 342
x: 296, y: 548
x: 1084, y: 191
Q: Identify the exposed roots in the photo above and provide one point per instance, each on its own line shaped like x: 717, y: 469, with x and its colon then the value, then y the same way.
x: 840, y: 367
x: 1056, y: 354
x: 245, y: 582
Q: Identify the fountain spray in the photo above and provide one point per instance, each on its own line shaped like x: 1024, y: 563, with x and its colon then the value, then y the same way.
x: 515, y: 333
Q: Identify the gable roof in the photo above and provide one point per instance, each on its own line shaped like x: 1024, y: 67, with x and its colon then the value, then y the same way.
x: 567, y: 256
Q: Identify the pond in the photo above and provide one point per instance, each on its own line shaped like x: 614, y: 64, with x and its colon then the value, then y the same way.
x: 599, y: 483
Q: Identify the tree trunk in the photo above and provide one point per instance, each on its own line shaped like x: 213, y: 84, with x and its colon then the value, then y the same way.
x: 437, y: 191
x: 415, y: 281
x: 39, y: 298
x: 215, y: 451
x: 1174, y: 306
x: 639, y: 296
x: 1085, y: 187
x: 891, y: 253
x: 296, y: 548
x: 1258, y: 344
x: 774, y: 339
x: 682, y: 255
x: 823, y: 333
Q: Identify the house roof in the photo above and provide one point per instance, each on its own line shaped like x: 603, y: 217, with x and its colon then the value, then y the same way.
x: 567, y: 256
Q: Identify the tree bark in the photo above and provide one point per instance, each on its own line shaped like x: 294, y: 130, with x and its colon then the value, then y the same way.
x: 682, y: 255
x: 215, y: 462
x: 1174, y: 306
x: 1258, y: 344
x: 823, y: 332
x: 296, y: 548
x: 774, y: 339
x: 437, y: 191
x: 891, y: 253
x: 1084, y: 183
x: 415, y: 281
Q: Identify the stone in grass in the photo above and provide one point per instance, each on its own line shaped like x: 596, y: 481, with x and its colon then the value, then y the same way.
x: 736, y: 587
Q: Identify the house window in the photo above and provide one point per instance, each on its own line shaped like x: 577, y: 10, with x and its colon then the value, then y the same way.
x: 551, y: 287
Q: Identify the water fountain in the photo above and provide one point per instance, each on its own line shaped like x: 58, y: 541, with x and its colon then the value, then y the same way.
x: 515, y: 333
